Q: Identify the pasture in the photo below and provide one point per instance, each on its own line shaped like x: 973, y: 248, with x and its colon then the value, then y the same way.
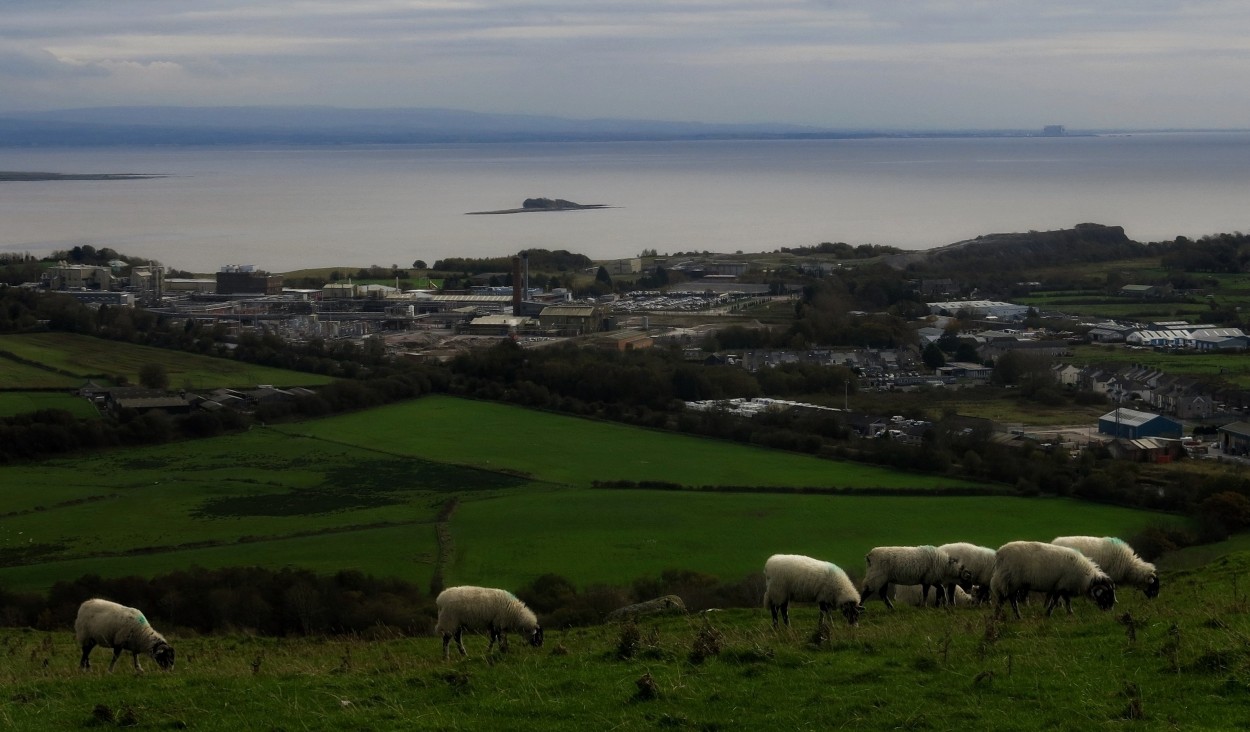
x: 86, y: 357
x: 362, y: 492
x: 562, y: 449
x: 23, y: 402
x: 1177, y: 662
x: 1231, y: 367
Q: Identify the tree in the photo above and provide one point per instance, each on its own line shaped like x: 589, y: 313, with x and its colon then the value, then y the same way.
x: 603, y: 278
x: 419, y: 264
x: 153, y: 375
x: 933, y: 357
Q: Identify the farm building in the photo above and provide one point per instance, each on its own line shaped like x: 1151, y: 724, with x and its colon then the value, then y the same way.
x: 980, y: 309
x: 1132, y: 424
x: 1235, y: 438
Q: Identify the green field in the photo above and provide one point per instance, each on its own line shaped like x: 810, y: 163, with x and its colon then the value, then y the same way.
x: 87, y: 357
x: 1178, y: 662
x: 617, y: 536
x: 17, y: 375
x: 562, y: 449
x: 361, y: 491
x: 1232, y: 367
x: 22, y: 402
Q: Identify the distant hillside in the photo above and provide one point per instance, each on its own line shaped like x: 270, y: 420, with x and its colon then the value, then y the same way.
x: 1010, y: 252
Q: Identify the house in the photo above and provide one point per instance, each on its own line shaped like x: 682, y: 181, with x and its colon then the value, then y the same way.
x: 1132, y: 424
x: 966, y: 370
x: 1066, y: 374
x: 1146, y: 450
x: 1142, y: 291
x: 626, y: 340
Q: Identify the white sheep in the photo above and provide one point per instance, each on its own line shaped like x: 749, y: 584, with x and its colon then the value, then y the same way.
x: 484, y: 608
x: 1060, y: 572
x: 1117, y: 559
x: 979, y: 561
x: 927, y: 566
x: 104, y: 623
x: 796, y: 578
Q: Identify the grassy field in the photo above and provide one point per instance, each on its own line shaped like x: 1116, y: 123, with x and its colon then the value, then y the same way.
x: 1178, y: 662
x: 562, y: 449
x: 616, y: 536
x: 22, y: 402
x: 1232, y: 367
x: 84, y: 356
x: 362, y: 491
x: 17, y: 375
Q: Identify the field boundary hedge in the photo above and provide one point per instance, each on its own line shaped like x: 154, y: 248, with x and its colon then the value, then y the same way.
x: 659, y: 485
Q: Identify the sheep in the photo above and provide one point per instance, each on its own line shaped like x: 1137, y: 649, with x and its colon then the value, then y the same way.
x: 121, y: 628
x: 979, y: 561
x: 1060, y: 572
x: 1117, y: 559
x: 926, y: 566
x: 796, y: 578
x: 483, y: 608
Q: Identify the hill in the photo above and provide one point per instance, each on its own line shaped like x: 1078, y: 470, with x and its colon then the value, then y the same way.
x: 1177, y: 662
x: 1024, y: 251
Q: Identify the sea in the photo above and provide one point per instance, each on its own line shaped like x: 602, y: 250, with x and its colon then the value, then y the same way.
x: 289, y: 208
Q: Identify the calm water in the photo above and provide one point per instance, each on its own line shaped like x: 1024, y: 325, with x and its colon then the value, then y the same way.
x: 284, y: 208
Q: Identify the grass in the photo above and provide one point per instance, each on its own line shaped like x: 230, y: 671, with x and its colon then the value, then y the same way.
x: 1185, y: 665
x: 362, y: 491
x: 17, y: 375
x: 1231, y: 367
x: 87, y: 357
x: 563, y: 449
x: 22, y: 402
x: 617, y: 536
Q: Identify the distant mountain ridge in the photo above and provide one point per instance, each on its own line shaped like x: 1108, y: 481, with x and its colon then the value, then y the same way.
x: 335, y: 125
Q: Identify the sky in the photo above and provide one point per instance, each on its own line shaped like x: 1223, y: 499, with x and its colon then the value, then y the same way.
x: 843, y: 64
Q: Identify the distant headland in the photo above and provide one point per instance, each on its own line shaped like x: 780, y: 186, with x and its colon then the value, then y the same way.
x: 544, y: 204
x: 7, y: 176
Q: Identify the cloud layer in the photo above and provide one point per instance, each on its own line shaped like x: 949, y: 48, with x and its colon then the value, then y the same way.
x: 936, y: 64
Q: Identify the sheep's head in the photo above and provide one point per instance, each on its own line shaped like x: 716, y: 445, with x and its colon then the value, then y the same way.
x: 164, y: 655
x: 851, y: 610
x: 965, y: 578
x: 536, y: 637
x: 1152, y: 587
x: 1102, y: 592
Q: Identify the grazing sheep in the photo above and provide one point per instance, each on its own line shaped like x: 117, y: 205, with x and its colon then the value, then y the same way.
x: 1117, y: 559
x: 1060, y: 572
x: 104, y: 623
x: 927, y: 566
x: 484, y: 608
x: 796, y: 578
x: 979, y: 561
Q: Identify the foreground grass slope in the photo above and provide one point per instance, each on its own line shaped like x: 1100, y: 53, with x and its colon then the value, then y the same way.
x: 362, y: 492
x: 1178, y: 662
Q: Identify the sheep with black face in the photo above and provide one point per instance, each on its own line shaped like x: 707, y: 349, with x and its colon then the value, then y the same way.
x: 796, y: 578
x: 108, y: 624
x: 1059, y: 572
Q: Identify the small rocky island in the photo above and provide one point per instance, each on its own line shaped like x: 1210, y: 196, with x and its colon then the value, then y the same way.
x: 544, y: 204
x: 7, y: 176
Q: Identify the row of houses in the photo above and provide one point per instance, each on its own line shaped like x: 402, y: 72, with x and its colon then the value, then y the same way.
x: 1180, y: 396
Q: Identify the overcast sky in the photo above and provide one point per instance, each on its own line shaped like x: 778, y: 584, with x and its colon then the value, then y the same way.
x: 903, y: 64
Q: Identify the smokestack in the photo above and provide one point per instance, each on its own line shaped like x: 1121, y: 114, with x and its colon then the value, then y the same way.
x: 516, y: 286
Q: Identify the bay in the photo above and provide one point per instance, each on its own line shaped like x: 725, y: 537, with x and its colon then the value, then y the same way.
x: 285, y: 208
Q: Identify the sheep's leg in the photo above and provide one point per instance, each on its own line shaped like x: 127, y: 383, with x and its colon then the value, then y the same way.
x: 785, y: 612
x: 773, y: 609
x: 85, y: 663
x: 117, y: 652
x: 1015, y: 604
x: 950, y: 593
x: 885, y: 595
x: 446, y: 646
x: 460, y: 641
x: 136, y: 657
x: 826, y: 611
x: 1067, y: 602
